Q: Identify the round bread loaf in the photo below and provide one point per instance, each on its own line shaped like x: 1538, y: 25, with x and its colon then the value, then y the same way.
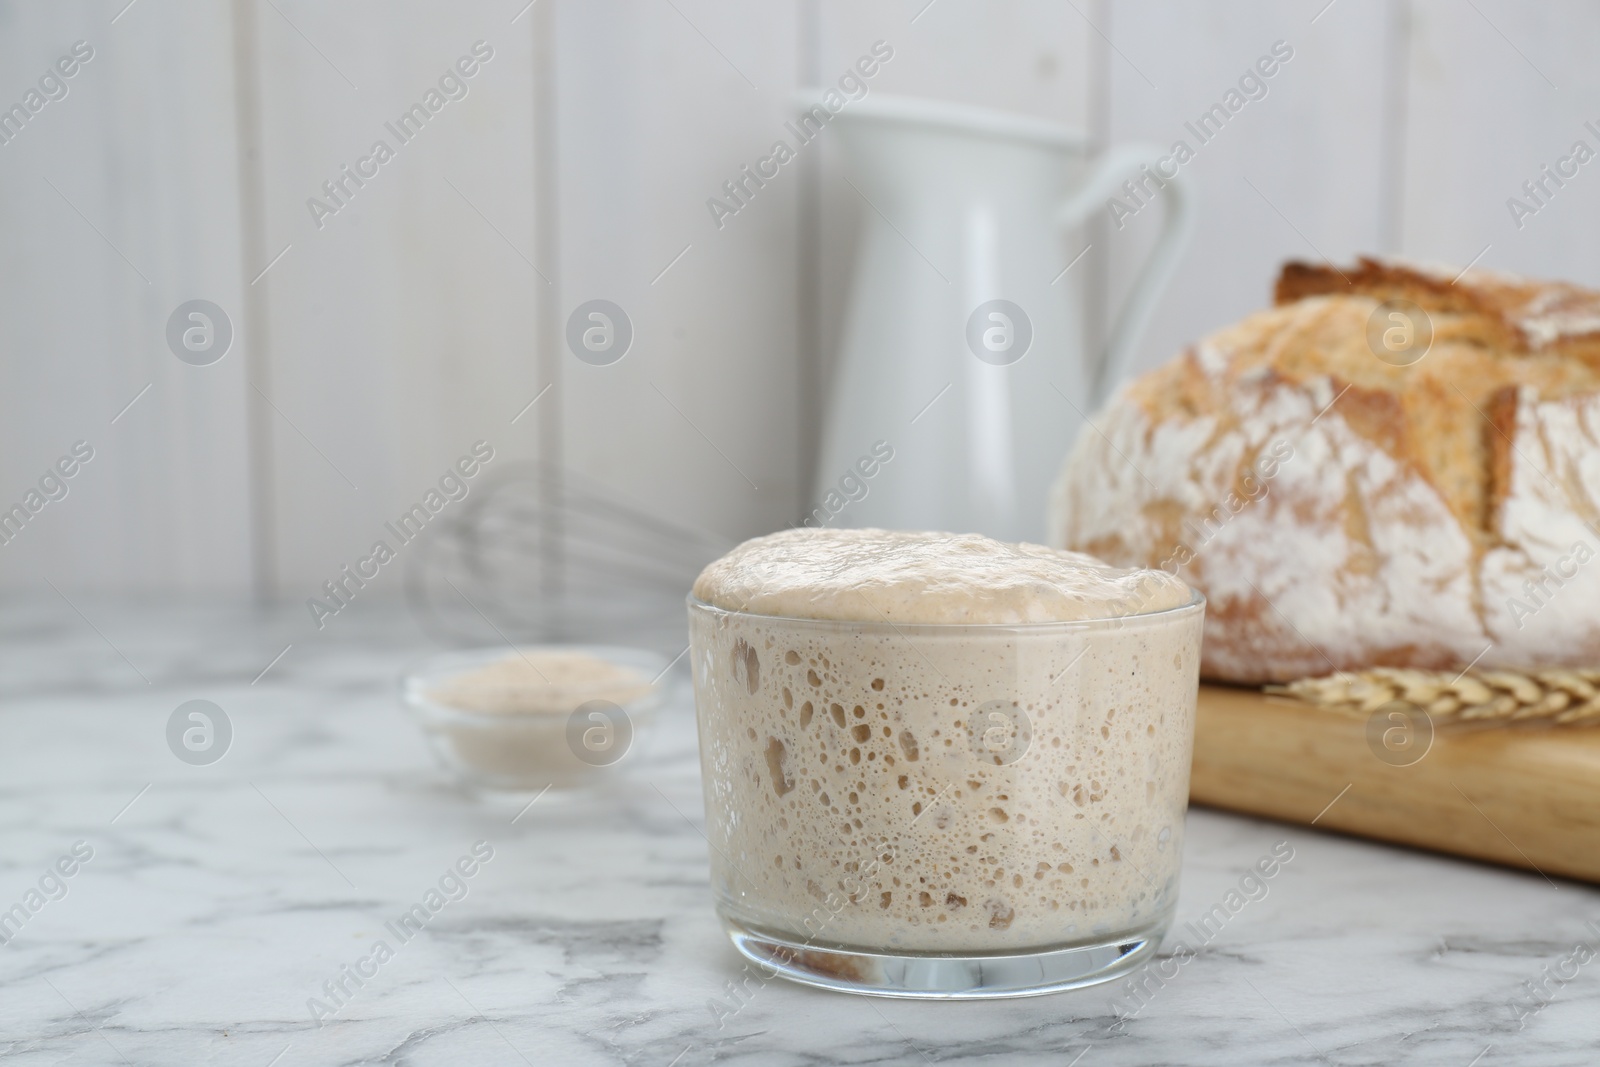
x: 1340, y: 511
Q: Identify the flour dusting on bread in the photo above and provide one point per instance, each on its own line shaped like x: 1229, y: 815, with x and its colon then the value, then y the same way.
x: 1422, y: 516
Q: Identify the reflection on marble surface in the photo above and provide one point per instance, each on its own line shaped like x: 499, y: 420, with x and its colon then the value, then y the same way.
x: 221, y: 899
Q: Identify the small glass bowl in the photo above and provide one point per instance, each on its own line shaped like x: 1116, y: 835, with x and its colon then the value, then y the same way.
x: 533, y: 750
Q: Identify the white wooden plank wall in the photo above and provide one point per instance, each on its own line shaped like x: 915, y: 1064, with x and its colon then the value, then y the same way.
x: 402, y: 330
x: 408, y: 325
x: 117, y: 203
x: 1496, y: 93
x: 1297, y: 174
x: 659, y: 104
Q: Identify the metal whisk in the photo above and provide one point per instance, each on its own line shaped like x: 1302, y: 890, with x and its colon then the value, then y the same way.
x: 537, y: 555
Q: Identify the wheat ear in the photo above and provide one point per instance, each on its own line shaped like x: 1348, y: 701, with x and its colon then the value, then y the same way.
x: 1566, y: 697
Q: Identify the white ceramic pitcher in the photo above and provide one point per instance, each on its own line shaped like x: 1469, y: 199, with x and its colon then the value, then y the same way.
x: 964, y: 207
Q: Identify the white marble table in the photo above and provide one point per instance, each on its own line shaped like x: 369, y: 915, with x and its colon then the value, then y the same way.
x: 219, y: 901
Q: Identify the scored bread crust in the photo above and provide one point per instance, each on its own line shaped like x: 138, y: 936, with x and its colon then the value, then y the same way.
x: 1504, y: 311
x: 1340, y: 512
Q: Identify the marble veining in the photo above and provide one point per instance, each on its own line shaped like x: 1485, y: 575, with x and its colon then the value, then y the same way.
x: 218, y: 901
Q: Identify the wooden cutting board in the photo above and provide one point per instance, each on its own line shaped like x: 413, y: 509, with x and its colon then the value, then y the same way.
x: 1527, y: 796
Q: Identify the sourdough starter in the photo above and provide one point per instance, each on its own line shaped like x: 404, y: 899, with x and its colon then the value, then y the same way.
x: 935, y: 743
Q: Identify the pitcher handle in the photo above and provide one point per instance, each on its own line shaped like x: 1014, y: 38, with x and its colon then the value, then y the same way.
x: 1176, y: 226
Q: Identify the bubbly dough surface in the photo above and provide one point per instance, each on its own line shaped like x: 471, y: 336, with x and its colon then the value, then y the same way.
x: 912, y: 577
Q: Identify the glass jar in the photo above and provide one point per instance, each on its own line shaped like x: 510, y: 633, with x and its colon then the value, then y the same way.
x: 936, y: 810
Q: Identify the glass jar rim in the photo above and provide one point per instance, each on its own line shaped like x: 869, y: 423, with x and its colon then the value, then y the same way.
x: 1194, y: 605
